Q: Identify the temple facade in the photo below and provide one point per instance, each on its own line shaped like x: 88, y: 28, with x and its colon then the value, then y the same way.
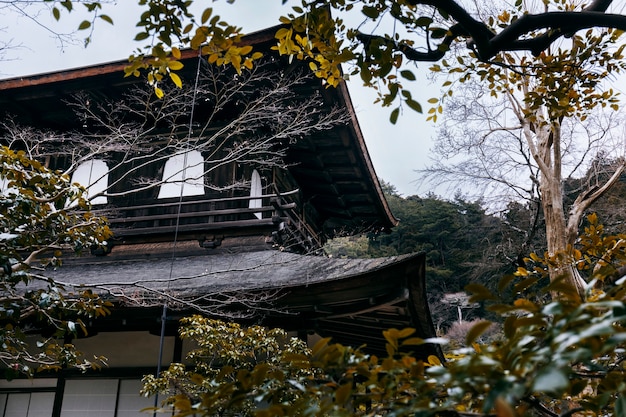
x: 217, y: 207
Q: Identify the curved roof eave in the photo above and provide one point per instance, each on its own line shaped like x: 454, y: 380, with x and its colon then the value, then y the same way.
x: 358, y: 134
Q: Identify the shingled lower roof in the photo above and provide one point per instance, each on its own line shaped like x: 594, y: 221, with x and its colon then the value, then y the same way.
x: 351, y: 300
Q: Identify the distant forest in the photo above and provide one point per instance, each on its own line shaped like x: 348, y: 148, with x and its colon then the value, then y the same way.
x: 464, y: 244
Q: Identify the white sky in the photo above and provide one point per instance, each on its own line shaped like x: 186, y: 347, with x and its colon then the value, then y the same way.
x: 396, y: 150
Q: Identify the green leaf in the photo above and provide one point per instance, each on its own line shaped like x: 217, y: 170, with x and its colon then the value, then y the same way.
x: 408, y: 75
x: 423, y: 21
x: 551, y: 380
x: 620, y: 406
x: 393, y: 118
x: 141, y: 36
x: 414, y: 105
x: 479, y: 293
x: 206, y: 14
x: 525, y: 284
x: 438, y: 33
x: 85, y: 24
x: 342, y: 395
x: 320, y: 346
x: 505, y: 281
x: 477, y: 330
x: 68, y: 5
x: 106, y: 18
x: 56, y: 13
x: 510, y: 326
x: 370, y: 12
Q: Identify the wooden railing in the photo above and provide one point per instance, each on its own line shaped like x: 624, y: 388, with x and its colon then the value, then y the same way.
x: 195, y: 214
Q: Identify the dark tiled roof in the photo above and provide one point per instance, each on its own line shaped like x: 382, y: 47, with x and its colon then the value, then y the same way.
x: 351, y: 300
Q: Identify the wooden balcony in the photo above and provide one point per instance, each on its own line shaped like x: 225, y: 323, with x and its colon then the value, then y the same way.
x: 197, y: 217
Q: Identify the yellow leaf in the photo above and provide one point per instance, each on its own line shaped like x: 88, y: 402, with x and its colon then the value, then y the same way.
x: 176, y: 79
x: 521, y: 271
x: 175, y: 65
x: 282, y: 33
x: 176, y: 53
x: 236, y: 62
x: 412, y: 341
x: 433, y: 360
x: 390, y: 350
x: 391, y: 335
x: 406, y: 332
x: 159, y: 93
x: 197, y: 379
x: 525, y: 304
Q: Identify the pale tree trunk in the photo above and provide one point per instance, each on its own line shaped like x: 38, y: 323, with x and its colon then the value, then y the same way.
x: 544, y: 141
x: 559, y: 241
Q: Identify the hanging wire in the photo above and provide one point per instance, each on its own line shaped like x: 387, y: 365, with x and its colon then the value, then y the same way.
x: 179, y: 208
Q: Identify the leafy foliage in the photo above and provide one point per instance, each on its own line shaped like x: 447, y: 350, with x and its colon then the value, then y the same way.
x: 545, y: 94
x: 464, y: 244
x: 558, y: 356
x: 564, y: 80
x: 233, y: 368
x: 167, y: 24
x: 39, y: 218
x: 380, y: 47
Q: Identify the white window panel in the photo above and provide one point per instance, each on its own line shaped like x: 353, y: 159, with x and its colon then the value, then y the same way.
x: 130, y: 402
x: 94, y: 176
x: 93, y: 398
x: 35, y: 404
x: 256, y: 190
x: 41, y: 404
x: 17, y: 405
x: 188, y: 165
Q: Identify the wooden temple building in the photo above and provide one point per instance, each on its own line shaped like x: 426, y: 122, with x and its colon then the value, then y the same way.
x: 248, y: 253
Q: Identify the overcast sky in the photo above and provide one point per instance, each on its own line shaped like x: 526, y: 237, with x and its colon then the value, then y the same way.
x: 396, y: 151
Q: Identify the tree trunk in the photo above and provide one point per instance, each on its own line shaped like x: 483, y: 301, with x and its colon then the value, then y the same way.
x: 548, y: 156
x: 556, y: 235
